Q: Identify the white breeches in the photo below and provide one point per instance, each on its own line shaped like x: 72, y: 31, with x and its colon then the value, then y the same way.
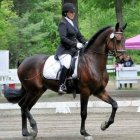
x: 65, y: 60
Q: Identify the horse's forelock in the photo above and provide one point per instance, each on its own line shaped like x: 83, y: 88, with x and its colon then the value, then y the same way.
x: 94, y: 37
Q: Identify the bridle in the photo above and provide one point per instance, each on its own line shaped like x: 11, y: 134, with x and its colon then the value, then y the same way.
x: 115, y: 36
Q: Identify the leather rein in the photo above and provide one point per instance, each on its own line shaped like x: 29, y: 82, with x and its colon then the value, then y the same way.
x: 114, y: 52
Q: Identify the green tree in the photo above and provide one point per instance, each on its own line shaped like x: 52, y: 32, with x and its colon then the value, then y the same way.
x: 6, y: 18
x: 22, y: 6
x: 37, y: 30
x: 119, y: 13
x: 33, y: 29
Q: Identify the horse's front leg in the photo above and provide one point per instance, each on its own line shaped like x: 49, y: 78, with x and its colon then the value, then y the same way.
x: 84, y: 103
x: 105, y: 97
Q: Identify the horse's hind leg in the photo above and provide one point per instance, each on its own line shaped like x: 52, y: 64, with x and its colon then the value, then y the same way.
x: 105, y: 97
x: 24, y: 104
x: 34, y: 128
x: 27, y: 114
x: 32, y: 122
x: 24, y: 119
x: 24, y: 123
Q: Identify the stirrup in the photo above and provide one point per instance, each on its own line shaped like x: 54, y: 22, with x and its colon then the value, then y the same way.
x: 62, y: 89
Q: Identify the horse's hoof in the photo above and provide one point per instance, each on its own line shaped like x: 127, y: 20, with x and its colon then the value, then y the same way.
x: 33, y: 133
x: 89, y: 138
x: 30, y: 138
x: 103, y: 126
x: 25, y: 133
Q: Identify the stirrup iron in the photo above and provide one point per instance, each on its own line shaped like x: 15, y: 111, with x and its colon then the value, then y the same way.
x: 62, y: 89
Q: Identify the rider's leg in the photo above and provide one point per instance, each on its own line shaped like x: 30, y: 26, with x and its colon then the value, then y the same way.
x: 62, y: 88
x: 65, y: 61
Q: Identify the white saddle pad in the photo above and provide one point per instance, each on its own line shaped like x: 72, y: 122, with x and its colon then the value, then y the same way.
x: 52, y: 66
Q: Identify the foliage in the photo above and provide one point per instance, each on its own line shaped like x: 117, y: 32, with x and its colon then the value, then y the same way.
x: 93, y: 17
x: 6, y: 17
x: 30, y: 27
x: 36, y: 31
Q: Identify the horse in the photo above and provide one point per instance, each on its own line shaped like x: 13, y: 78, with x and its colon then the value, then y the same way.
x: 92, y: 78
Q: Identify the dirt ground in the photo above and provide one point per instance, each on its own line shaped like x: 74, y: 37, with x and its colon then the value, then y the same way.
x: 66, y: 126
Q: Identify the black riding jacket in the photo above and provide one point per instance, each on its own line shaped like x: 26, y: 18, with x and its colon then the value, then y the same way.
x: 69, y: 36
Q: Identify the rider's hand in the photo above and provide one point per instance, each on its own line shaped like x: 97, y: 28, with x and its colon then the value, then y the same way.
x: 79, y: 45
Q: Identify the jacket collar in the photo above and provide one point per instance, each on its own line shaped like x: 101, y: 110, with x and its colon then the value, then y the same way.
x: 70, y: 21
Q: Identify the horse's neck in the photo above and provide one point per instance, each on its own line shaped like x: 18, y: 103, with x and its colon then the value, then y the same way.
x: 96, y: 54
x: 99, y: 44
x: 98, y: 49
x: 95, y: 61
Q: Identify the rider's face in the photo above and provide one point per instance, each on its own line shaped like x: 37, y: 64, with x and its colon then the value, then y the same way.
x: 71, y: 15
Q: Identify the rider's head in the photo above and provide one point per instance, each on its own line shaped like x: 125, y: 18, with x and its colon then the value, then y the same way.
x: 68, y: 10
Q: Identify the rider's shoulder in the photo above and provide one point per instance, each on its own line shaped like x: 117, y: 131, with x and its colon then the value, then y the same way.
x: 63, y: 21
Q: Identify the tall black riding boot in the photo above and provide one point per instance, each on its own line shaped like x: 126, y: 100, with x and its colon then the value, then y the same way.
x: 62, y: 88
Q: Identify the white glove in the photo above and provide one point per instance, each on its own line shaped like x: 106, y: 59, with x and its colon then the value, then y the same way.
x: 79, y: 45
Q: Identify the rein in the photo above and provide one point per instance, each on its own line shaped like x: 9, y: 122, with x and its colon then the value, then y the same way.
x: 114, y: 52
x: 101, y: 53
x: 107, y: 54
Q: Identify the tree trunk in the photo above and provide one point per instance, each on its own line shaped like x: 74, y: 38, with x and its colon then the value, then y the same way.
x: 75, y: 2
x: 21, y: 6
x: 0, y: 3
x: 118, y: 8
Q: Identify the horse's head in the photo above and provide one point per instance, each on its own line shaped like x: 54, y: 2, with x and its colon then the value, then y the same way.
x: 115, y: 41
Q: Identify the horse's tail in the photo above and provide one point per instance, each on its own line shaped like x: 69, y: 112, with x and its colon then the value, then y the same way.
x: 18, y: 63
x: 13, y: 95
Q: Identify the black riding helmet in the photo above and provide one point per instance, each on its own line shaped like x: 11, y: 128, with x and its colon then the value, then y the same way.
x: 67, y: 7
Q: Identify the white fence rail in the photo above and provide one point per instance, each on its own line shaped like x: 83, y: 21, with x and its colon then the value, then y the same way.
x: 111, y: 68
x: 10, y: 76
x: 4, y: 62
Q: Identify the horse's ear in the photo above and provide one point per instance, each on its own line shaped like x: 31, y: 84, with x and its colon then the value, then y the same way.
x: 117, y: 26
x: 124, y: 26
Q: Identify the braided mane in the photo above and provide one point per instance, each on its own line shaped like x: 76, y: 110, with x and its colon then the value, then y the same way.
x: 94, y: 37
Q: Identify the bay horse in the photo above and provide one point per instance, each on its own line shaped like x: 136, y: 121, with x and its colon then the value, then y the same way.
x: 92, y: 78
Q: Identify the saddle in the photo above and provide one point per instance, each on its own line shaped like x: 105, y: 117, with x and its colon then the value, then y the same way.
x: 52, y: 69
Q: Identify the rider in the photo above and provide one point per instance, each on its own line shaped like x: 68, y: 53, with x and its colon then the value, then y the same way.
x: 70, y: 41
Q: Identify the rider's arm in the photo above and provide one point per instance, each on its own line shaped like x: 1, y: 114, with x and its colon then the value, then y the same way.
x: 81, y: 38
x: 63, y: 36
